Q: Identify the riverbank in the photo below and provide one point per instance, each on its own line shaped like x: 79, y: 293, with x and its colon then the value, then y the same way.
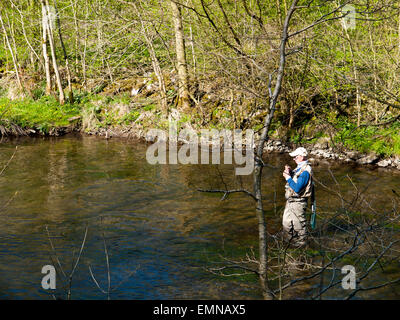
x: 133, y: 112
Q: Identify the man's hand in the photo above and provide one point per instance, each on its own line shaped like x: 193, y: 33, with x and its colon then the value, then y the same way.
x: 286, y: 172
x: 285, y: 175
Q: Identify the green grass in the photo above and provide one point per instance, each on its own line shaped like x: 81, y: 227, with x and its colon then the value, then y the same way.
x: 41, y: 114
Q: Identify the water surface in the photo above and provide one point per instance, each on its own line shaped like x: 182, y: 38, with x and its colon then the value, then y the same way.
x: 152, y: 217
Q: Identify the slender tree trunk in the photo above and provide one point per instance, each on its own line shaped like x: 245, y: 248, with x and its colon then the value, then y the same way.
x: 5, y: 47
x: 183, y: 92
x: 291, y: 116
x: 374, y: 71
x: 44, y: 49
x: 193, y: 53
x: 70, y: 92
x: 83, y: 58
x: 257, y: 175
x: 155, y: 64
x: 12, y: 37
x: 14, y: 59
x: 49, y: 28
x: 77, y: 34
x: 355, y: 74
x: 278, y: 11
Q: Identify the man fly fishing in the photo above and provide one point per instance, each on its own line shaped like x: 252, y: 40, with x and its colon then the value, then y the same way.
x: 299, y: 187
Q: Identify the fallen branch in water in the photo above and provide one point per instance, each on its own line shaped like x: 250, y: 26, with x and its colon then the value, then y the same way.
x: 228, y: 192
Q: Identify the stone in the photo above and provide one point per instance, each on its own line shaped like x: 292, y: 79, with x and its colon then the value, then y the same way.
x: 368, y: 159
x: 384, y: 163
x: 353, y: 155
x: 396, y: 162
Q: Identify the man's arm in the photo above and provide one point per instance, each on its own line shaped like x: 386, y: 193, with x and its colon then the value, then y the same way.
x: 302, y: 181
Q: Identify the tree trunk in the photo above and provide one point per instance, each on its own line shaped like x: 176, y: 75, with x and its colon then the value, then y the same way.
x: 49, y: 27
x: 183, y: 92
x: 355, y: 73
x: 155, y: 64
x: 193, y: 53
x: 70, y: 93
x: 44, y: 49
x: 83, y: 56
x: 257, y: 175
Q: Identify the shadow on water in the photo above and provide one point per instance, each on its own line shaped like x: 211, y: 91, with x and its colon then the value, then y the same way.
x: 153, y: 218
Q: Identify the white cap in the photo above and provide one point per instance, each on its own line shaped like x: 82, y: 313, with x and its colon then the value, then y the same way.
x: 299, y: 152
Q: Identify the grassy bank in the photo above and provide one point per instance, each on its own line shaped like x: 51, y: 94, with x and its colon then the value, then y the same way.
x: 42, y: 115
x: 342, y: 134
x: 96, y: 113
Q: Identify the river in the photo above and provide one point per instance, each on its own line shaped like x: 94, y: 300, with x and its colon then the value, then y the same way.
x: 152, y: 218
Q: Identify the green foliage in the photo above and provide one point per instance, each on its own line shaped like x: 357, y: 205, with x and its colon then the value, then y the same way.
x: 38, y: 93
x: 82, y: 97
x: 129, y: 118
x: 382, y: 141
x: 149, y: 107
x: 123, y: 98
x: 41, y: 114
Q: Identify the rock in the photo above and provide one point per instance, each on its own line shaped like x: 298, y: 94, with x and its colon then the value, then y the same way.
x: 322, y: 153
x: 353, y: 155
x: 384, y: 163
x: 368, y: 159
x: 396, y: 162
